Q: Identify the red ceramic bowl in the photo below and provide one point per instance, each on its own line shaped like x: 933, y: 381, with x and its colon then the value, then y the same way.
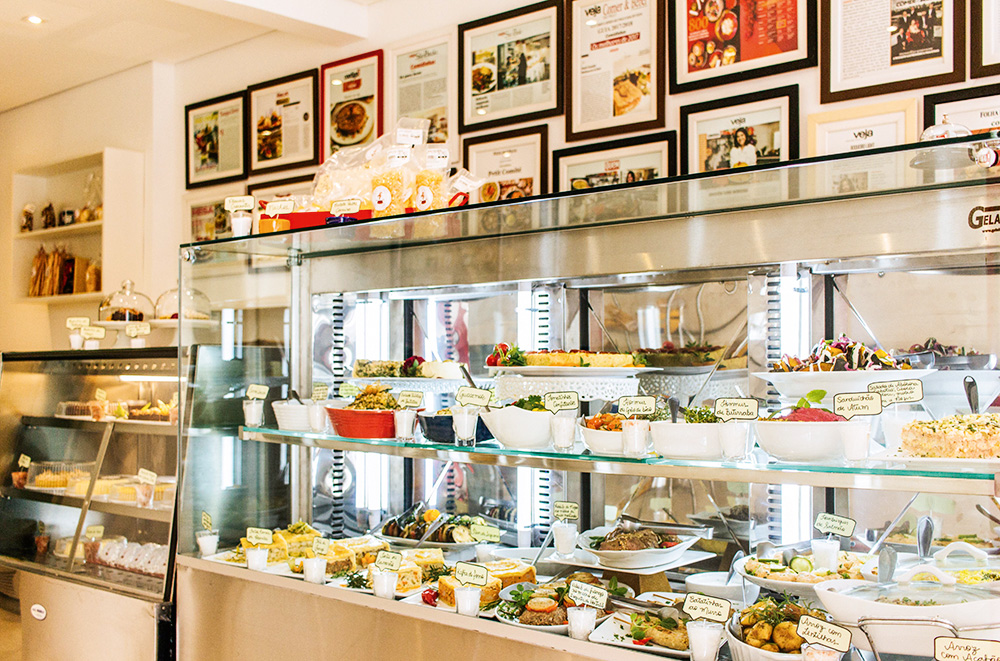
x: 352, y: 423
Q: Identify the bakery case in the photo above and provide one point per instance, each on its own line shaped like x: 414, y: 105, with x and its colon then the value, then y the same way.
x: 761, y: 263
x: 89, y: 440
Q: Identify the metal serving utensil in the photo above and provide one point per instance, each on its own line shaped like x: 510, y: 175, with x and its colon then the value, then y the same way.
x: 724, y: 519
x: 892, y: 526
x: 630, y: 523
x: 925, y: 536
x: 982, y: 510
x: 431, y: 529
x: 971, y: 393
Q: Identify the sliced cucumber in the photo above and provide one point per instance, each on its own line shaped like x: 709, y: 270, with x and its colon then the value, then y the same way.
x: 800, y: 564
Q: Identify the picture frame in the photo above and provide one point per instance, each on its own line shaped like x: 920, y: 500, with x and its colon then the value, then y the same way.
x: 351, y: 99
x: 865, y: 127
x: 926, y: 47
x: 977, y: 108
x: 215, y: 141
x: 708, y: 130
x: 280, y: 109
x: 985, y: 42
x: 207, y: 218
x: 706, y: 53
x: 522, y: 48
x: 266, y: 191
x: 651, y: 156
x: 624, y: 50
x: 414, y: 70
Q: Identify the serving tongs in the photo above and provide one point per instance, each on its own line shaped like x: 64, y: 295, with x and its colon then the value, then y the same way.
x: 632, y: 604
x: 630, y: 523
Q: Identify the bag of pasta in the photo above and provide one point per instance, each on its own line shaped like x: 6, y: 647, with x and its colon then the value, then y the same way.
x: 460, y: 187
x: 393, y: 182
x: 343, y: 183
x: 432, y: 178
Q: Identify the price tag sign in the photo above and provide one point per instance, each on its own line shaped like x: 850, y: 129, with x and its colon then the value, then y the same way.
x: 701, y: 606
x: 93, y: 332
x: 588, y: 595
x: 561, y: 401
x: 24, y: 461
x: 277, y: 207
x: 257, y: 392
x: 320, y: 392
x: 100, y: 395
x: 260, y: 536
x: 629, y: 406
x: 348, y: 390
x: 835, y: 525
x: 409, y: 136
x: 566, y: 510
x: 484, y: 533
x: 469, y: 396
x: 147, y: 476
x: 321, y: 546
x: 137, y: 328
x: 388, y: 561
x: 76, y: 323
x: 410, y: 399
x: 736, y: 408
x: 345, y: 207
x: 206, y: 520
x: 911, y: 390
x: 947, y: 648
x: 815, y: 630
x: 94, y: 532
x: 850, y: 404
x: 469, y: 573
x: 240, y: 203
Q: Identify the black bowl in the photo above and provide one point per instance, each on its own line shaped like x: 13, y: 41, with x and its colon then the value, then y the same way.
x: 438, y: 429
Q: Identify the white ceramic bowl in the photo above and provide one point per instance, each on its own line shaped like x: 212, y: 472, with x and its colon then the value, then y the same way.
x: 292, y: 416
x: 517, y: 428
x: 680, y: 440
x: 800, y: 441
x: 632, y: 559
x: 713, y: 583
x: 740, y: 651
x: 603, y: 442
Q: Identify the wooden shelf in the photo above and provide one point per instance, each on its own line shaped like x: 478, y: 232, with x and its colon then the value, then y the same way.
x: 76, y: 229
x: 64, y: 298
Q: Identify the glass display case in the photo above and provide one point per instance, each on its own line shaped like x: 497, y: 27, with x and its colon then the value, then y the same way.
x: 717, y: 277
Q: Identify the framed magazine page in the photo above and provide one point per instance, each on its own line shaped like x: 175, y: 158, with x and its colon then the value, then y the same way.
x: 423, y: 83
x: 282, y: 131
x: 215, y: 140
x: 977, y: 108
x: 614, y: 68
x: 746, y: 130
x: 634, y: 159
x: 268, y: 191
x: 866, y: 127
x: 873, y: 47
x: 985, y: 38
x: 509, y: 67
x: 207, y: 217
x: 717, y: 42
x: 351, y: 101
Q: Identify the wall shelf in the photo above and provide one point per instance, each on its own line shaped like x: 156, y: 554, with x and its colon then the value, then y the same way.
x: 76, y: 229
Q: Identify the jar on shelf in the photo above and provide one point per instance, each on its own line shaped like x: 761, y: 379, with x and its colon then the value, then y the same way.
x: 126, y: 304
x: 196, y: 305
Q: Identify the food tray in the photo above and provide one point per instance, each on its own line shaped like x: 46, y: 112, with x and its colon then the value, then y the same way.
x: 724, y: 383
x: 605, y: 388
x: 588, y: 560
x: 793, y: 385
x: 55, y: 475
x: 341, y: 582
x: 617, y: 631
x: 572, y: 372
x: 417, y: 598
x: 435, y: 386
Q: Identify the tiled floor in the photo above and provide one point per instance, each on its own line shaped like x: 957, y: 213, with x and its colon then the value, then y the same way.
x: 10, y: 631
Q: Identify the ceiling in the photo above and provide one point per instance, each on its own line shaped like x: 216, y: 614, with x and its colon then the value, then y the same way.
x: 83, y: 40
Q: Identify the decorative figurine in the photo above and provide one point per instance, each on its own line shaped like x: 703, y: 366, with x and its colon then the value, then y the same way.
x: 48, y: 217
x: 28, y: 218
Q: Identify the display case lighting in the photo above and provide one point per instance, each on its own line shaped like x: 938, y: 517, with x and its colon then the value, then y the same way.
x: 159, y: 378
x: 34, y: 20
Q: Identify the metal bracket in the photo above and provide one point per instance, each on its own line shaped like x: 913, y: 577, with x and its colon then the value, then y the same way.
x: 294, y: 258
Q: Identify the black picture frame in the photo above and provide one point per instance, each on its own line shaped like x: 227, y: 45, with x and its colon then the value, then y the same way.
x: 811, y: 58
x: 978, y: 68
x: 668, y: 137
x: 932, y: 101
x: 543, y: 157
x: 312, y: 75
x: 189, y: 110
x: 556, y: 43
x: 261, y: 263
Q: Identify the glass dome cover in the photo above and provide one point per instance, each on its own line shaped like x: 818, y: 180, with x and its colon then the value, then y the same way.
x: 196, y: 304
x: 944, y: 130
x: 126, y: 304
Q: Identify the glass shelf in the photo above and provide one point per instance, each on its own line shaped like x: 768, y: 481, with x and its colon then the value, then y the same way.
x: 871, y: 474
x: 105, y: 507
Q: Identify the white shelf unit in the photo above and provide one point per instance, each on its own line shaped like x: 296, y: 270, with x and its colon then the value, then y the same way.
x: 116, y: 240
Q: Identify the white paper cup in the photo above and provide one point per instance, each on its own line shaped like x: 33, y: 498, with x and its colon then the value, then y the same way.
x: 855, y: 438
x: 384, y: 584
x: 253, y: 412
x: 704, y: 638
x: 405, y: 420
x: 734, y: 437
x: 563, y: 431
x: 240, y: 221
x: 467, y: 600
x: 318, y: 418
x: 825, y: 553
x: 75, y: 340
x: 635, y: 438
x: 91, y: 345
x: 817, y: 652
x: 564, y: 536
x: 256, y: 559
x: 208, y: 541
x: 314, y: 570
x: 464, y: 420
x: 582, y: 621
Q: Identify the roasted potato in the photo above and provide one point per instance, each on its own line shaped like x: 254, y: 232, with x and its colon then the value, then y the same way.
x: 786, y: 638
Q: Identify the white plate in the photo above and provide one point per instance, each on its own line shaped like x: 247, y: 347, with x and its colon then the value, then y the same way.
x: 417, y: 598
x: 804, y: 591
x: 587, y: 560
x: 410, y: 543
x: 493, y: 68
x: 341, y: 582
x: 794, y: 385
x: 632, y: 559
x: 899, y: 456
x: 616, y: 630
x: 548, y: 628
x: 544, y: 370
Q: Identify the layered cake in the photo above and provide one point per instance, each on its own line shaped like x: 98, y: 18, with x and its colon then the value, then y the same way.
x: 969, y: 436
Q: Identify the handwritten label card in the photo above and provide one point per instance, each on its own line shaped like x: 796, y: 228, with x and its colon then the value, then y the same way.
x: 588, y: 595
x: 260, y: 536
x: 815, y: 630
x: 707, y: 608
x: 320, y: 392
x: 348, y: 390
x: 850, y: 404
x: 76, y: 323
x: 137, y: 328
x: 469, y: 396
x: 345, y: 207
x: 561, y: 401
x: 484, y: 532
x: 206, y: 520
x: 93, y: 332
x: 410, y: 399
x: 469, y: 573
x: 239, y: 203
x: 94, y: 532
x: 321, y: 546
x: 833, y: 524
x: 566, y: 510
x: 257, y: 392
x: 101, y: 395
x: 147, y: 476
x: 911, y: 390
x: 947, y: 648
x: 24, y: 461
x: 276, y: 207
x: 737, y: 408
x: 629, y: 406
x: 388, y: 561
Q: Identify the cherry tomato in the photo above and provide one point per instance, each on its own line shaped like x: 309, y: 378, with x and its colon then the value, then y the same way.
x: 430, y: 596
x: 491, y: 360
x: 503, y: 348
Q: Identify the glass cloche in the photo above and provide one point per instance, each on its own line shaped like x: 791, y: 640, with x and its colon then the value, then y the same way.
x: 126, y: 304
x: 196, y: 304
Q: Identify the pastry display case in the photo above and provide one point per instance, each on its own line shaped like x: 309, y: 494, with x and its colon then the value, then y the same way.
x: 759, y: 325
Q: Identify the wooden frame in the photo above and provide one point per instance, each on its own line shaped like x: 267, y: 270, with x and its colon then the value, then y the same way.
x: 260, y: 127
x: 865, y: 127
x: 618, y: 151
x: 209, y: 146
x: 977, y: 108
x: 357, y: 69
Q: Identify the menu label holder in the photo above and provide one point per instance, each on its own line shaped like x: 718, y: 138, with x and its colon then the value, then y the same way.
x: 239, y: 203
x: 257, y: 392
x: 93, y: 332
x: 206, y: 520
x: 388, y: 560
x: 893, y: 392
x: 469, y: 396
x: 410, y: 399
x: 94, y: 532
x: 643, y: 405
x: 345, y: 207
x: 101, y: 395
x: 321, y: 546
x: 260, y: 536
x: 348, y: 390
x: 469, y: 573
x: 850, y: 404
x: 24, y: 461
x: 484, y: 532
x: 137, y: 328
x: 814, y: 630
x: 737, y: 408
x: 566, y: 400
x: 276, y: 207
x: 832, y: 524
x: 320, y: 392
x: 588, y: 595
x: 76, y: 323
x: 948, y: 648
x: 566, y: 510
x: 146, y: 476
x: 708, y: 608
